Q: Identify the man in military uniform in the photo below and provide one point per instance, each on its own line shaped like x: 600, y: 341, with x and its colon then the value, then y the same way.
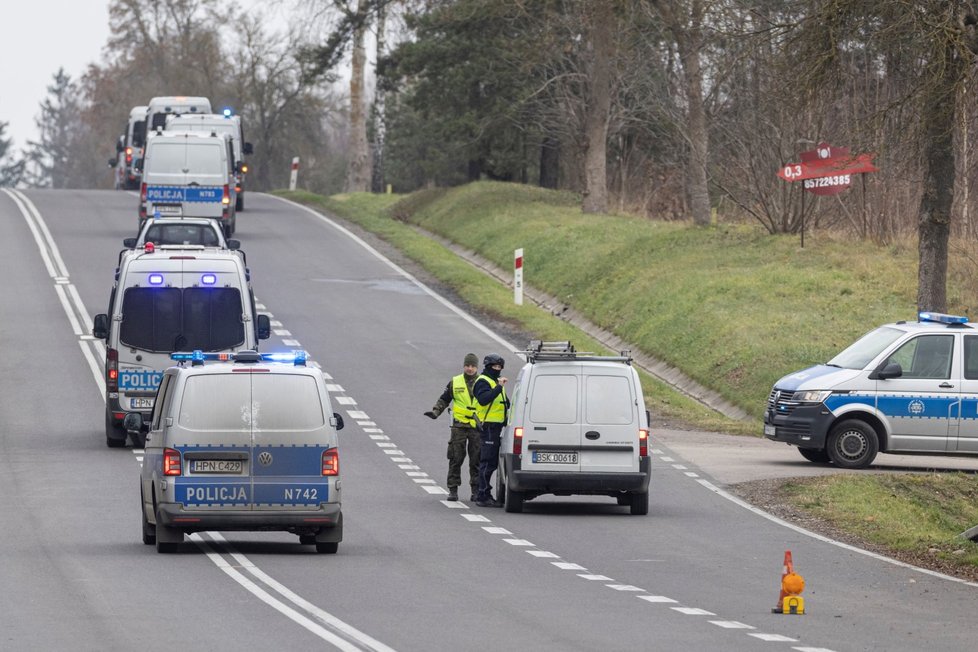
x: 465, y: 434
x: 492, y: 405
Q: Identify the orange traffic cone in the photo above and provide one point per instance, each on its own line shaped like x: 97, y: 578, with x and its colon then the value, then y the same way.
x: 792, y: 584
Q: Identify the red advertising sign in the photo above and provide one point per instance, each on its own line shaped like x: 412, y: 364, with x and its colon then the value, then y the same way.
x: 827, y: 170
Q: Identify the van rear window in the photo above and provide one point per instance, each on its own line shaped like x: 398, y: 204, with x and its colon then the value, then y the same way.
x: 218, y: 402
x: 182, y: 234
x: 286, y: 403
x: 554, y: 399
x: 164, y: 320
x: 242, y: 402
x: 609, y: 401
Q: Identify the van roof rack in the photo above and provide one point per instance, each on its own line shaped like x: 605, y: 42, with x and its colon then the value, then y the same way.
x: 539, y: 351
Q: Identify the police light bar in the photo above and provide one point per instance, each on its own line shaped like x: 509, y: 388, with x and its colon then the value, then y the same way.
x: 297, y: 357
x: 156, y: 279
x: 208, y: 279
x: 942, y: 318
x: 227, y: 112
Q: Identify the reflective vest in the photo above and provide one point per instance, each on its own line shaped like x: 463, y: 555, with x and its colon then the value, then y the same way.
x: 463, y: 403
x: 495, y: 412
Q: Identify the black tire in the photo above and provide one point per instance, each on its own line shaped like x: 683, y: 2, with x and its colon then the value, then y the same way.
x: 307, y: 539
x: 149, y: 531
x: 513, y: 500
x: 640, y: 504
x: 327, y: 547
x: 115, y: 436
x: 816, y: 455
x: 852, y: 444
x: 239, y: 203
x: 624, y: 499
x: 500, y: 485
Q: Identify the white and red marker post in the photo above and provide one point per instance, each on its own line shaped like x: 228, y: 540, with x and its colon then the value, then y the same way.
x: 295, y: 173
x: 518, y: 277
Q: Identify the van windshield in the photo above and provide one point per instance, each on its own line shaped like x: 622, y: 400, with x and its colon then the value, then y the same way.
x: 164, y: 320
x: 861, y: 352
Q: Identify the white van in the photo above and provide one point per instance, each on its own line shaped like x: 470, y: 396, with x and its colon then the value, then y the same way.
x: 224, y: 123
x: 160, y: 107
x: 166, y: 299
x: 188, y: 175
x: 244, y: 442
x: 129, y: 149
x: 577, y: 425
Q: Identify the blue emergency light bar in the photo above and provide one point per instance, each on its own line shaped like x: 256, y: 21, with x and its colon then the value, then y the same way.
x: 941, y: 318
x: 197, y: 357
x: 227, y: 112
x: 208, y: 279
x: 156, y: 279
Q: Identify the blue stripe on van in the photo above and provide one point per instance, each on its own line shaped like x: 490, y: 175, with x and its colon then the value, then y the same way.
x: 200, y: 194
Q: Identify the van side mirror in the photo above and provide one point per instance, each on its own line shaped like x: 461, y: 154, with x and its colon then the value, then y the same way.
x: 233, y: 244
x: 891, y: 370
x: 336, y: 421
x: 133, y: 422
x: 264, y: 327
x: 113, y: 162
x: 648, y: 419
x: 248, y: 149
x: 129, y: 243
x: 100, y: 328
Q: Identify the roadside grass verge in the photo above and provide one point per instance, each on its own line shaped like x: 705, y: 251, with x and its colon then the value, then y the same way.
x: 373, y: 213
x: 916, y: 517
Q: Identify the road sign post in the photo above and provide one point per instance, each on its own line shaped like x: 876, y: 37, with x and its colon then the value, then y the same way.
x: 294, y: 176
x: 518, y: 277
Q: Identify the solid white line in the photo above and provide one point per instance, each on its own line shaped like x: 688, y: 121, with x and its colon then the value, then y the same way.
x: 79, y: 305
x: 52, y: 245
x: 63, y: 298
x: 791, y: 526
x: 270, y: 600
x: 33, y: 227
x: 458, y: 311
x: 96, y: 368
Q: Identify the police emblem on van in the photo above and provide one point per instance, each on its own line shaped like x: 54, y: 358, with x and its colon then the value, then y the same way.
x: 916, y: 407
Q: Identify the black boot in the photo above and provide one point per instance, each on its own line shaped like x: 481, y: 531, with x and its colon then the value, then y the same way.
x: 452, y: 494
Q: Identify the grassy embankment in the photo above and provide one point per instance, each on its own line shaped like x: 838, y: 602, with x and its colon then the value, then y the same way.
x: 732, y: 306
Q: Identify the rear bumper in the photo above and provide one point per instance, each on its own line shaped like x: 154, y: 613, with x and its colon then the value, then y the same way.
x: 328, y: 515
x: 575, y: 482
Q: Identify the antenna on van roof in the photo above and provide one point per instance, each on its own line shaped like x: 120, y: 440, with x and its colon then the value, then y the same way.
x: 539, y: 350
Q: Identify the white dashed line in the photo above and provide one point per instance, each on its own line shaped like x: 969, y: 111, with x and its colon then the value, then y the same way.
x: 372, y: 430
x: 345, y: 400
x: 291, y: 342
x: 406, y: 460
x: 666, y: 459
x: 334, y: 388
x: 380, y: 437
x: 475, y: 518
x: 454, y: 504
x: 690, y: 474
x: 393, y: 451
x: 281, y: 332
x: 625, y: 587
x: 518, y: 542
x: 657, y: 599
x: 543, y: 554
x: 435, y: 490
x: 679, y: 467
x: 357, y: 414
x: 408, y: 467
x: 386, y: 444
x: 586, y: 576
x: 693, y: 611
x: 497, y: 530
x: 424, y: 481
x: 731, y: 624
x: 417, y: 474
x: 366, y: 423
x: 776, y: 638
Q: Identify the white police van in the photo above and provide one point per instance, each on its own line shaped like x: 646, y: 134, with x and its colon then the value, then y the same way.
x: 129, y: 149
x: 247, y: 441
x: 166, y: 299
x: 577, y: 425
x: 906, y: 387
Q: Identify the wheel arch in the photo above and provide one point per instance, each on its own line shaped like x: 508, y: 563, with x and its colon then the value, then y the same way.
x: 871, y: 418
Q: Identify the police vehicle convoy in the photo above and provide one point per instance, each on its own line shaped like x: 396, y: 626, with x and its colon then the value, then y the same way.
x: 577, y: 425
x: 129, y: 149
x: 906, y: 387
x: 165, y: 299
x: 241, y: 441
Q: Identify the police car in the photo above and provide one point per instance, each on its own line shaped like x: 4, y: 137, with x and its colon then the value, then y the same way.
x: 247, y: 441
x: 906, y: 387
x: 200, y: 231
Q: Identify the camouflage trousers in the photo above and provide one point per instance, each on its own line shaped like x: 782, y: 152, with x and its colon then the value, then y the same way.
x: 463, y: 440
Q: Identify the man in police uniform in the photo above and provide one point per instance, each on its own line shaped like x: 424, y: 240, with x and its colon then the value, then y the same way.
x: 491, y: 413
x: 458, y: 392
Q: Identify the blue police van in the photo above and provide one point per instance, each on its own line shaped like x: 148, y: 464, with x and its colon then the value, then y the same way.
x: 905, y: 387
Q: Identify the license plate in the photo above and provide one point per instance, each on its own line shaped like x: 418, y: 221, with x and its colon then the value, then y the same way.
x: 168, y: 209
x: 141, y: 403
x: 216, y: 466
x: 554, y: 458
x: 768, y: 430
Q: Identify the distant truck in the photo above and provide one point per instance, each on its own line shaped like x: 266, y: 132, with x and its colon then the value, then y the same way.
x: 160, y: 107
x: 128, y: 149
x: 220, y: 123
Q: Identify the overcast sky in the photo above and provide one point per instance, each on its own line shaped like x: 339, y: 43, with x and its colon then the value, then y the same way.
x: 36, y: 38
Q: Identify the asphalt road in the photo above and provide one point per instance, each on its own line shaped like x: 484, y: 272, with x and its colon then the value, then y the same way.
x: 700, y: 572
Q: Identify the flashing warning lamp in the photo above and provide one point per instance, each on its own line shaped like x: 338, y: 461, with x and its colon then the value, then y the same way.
x: 941, y: 318
x: 155, y: 279
x: 227, y: 112
x: 297, y: 357
x: 208, y: 279
x: 149, y: 247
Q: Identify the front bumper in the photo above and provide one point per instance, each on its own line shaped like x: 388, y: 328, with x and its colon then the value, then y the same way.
x: 575, y: 482
x: 805, y: 426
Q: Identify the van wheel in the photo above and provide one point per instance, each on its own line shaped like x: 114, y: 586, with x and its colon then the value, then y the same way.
x: 327, y: 547
x: 640, y: 504
x: 852, y: 444
x: 239, y: 203
x: 624, y: 499
x: 149, y: 531
x: 500, y: 486
x: 307, y: 539
x: 817, y: 455
x: 115, y: 436
x: 513, y: 501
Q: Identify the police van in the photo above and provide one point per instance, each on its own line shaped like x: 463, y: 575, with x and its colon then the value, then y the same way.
x: 241, y: 441
x: 906, y: 387
x: 129, y: 149
x: 577, y: 425
x: 166, y: 299
x: 160, y: 107
x: 223, y: 123
x: 188, y: 175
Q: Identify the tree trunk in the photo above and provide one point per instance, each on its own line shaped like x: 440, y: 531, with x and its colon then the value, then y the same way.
x: 689, y: 41
x: 380, y: 109
x: 358, y: 168
x: 549, y: 162
x: 598, y: 111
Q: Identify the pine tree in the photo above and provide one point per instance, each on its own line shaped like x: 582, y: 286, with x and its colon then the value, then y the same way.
x: 10, y: 169
x: 49, y: 160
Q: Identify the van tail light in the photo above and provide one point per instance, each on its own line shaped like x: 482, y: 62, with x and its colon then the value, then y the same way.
x: 226, y: 197
x: 518, y: 440
x: 171, y: 462
x: 128, y: 155
x: 111, y: 370
x: 331, y: 462
x: 643, y: 442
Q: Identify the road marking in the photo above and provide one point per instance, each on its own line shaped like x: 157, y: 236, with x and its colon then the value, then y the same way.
x: 497, y: 530
x: 693, y: 611
x: 357, y: 414
x: 731, y: 624
x: 778, y: 638
x: 518, y: 542
x: 543, y: 554
x: 586, y: 576
x: 657, y: 599
x: 345, y: 400
x: 475, y: 518
x: 625, y: 587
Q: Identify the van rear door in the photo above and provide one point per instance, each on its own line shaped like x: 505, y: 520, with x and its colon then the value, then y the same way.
x: 552, y: 427
x: 611, y: 423
x: 292, y: 441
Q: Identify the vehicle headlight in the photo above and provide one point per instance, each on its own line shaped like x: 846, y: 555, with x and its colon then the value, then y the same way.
x: 812, y: 396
